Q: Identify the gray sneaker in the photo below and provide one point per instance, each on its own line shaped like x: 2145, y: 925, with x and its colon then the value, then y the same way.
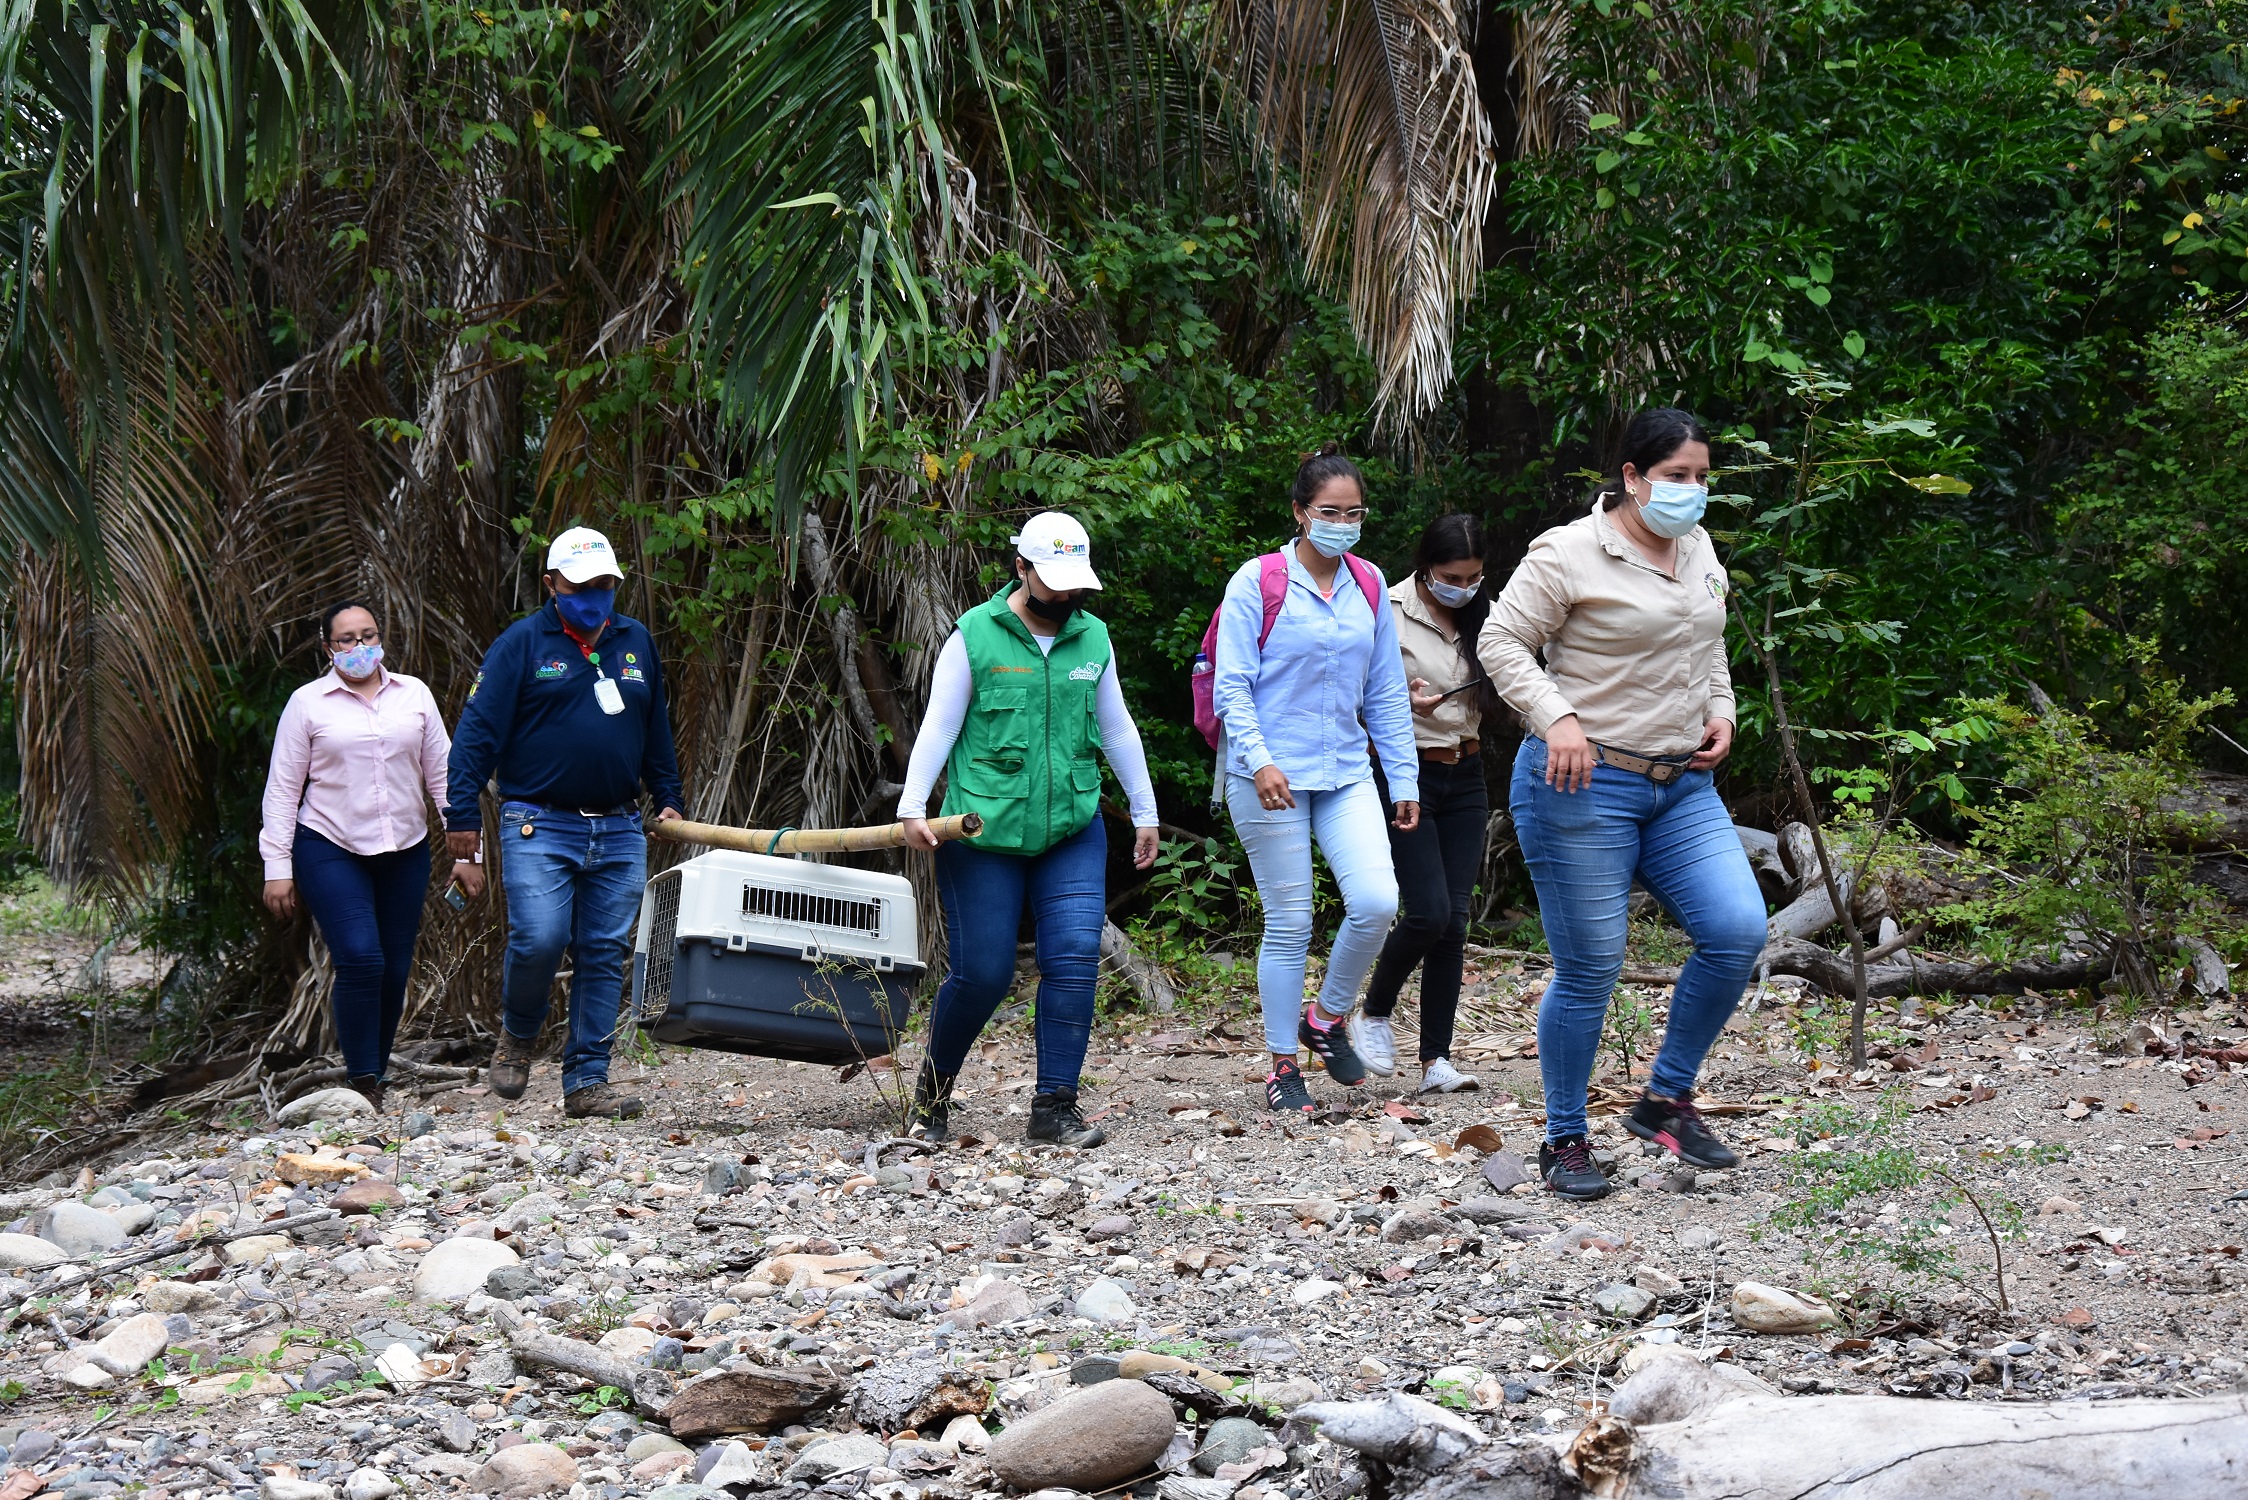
x: 1375, y: 1042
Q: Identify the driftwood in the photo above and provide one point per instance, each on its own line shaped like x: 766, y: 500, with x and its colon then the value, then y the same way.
x: 1678, y: 1430
x: 651, y: 1390
x: 810, y: 840
x: 1143, y: 974
x: 1830, y: 971
x: 189, y: 1247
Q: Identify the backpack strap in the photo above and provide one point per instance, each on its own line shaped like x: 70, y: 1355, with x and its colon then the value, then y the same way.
x: 1272, y: 587
x: 1369, y: 581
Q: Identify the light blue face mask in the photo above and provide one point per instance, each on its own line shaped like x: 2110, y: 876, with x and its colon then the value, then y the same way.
x: 1673, y: 509
x: 357, y: 663
x: 1332, y: 538
x: 1451, y: 595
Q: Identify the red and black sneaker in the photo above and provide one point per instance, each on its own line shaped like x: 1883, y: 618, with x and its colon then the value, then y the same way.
x: 1676, y: 1126
x: 1285, y: 1090
x: 1331, y: 1043
x: 1568, y: 1168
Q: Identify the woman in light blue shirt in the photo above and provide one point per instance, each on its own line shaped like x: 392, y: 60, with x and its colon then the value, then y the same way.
x: 1307, y: 668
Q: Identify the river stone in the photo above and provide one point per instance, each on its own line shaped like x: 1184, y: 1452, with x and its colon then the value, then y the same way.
x: 1412, y: 1225
x: 823, y: 1460
x: 166, y: 1297
x: 129, y: 1346
x: 133, y: 1217
x: 369, y: 1484
x: 28, y: 1252
x: 1101, y: 1435
x: 1001, y: 1302
x: 457, y: 1268
x: 512, y: 1283
x: 649, y: 1444
x: 530, y: 1209
x: 278, y: 1488
x: 324, y: 1104
x: 1112, y: 1227
x: 1627, y: 1302
x: 733, y: 1463
x: 1106, y: 1302
x: 525, y: 1469
x: 77, y: 1230
x: 254, y: 1249
x: 1505, y: 1171
x: 1488, y: 1210
x: 1229, y: 1441
x: 1768, y: 1309
x: 368, y: 1195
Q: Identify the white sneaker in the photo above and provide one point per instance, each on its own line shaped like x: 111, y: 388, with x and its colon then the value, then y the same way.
x: 1376, y: 1043
x: 1442, y: 1078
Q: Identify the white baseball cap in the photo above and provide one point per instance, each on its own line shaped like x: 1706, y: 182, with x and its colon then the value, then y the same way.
x: 581, y: 554
x: 1058, y: 548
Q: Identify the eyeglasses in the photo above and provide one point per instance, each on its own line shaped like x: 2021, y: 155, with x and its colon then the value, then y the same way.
x: 363, y: 638
x: 1350, y: 517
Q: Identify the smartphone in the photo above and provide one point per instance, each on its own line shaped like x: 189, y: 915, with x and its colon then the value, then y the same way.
x: 455, y: 897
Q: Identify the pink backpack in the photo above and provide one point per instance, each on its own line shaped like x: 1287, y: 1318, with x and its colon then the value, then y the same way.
x: 1272, y: 586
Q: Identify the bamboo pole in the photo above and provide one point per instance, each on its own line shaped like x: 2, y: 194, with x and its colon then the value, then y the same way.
x: 810, y: 840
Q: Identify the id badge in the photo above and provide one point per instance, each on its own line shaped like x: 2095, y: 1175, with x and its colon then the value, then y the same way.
x: 609, y: 696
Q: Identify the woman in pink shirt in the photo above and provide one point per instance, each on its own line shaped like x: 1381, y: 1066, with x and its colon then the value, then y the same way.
x: 357, y: 762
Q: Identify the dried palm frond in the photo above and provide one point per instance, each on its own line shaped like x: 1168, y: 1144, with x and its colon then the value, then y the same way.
x: 1372, y: 106
x: 1550, y: 109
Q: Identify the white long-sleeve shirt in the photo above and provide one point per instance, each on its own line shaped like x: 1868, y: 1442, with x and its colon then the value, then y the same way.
x: 951, y: 685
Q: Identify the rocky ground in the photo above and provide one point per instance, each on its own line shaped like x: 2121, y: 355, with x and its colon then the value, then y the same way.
x: 768, y: 1297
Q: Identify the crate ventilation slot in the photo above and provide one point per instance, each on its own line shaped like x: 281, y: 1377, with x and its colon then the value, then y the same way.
x: 809, y: 909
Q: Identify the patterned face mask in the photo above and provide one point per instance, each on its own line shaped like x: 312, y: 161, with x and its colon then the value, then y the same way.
x: 358, y: 662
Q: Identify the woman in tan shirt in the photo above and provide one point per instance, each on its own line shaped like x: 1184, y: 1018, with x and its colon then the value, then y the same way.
x: 1440, y: 610
x: 1629, y: 715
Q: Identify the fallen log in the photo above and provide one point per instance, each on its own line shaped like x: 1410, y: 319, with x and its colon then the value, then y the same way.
x: 651, y: 1390
x: 1830, y: 971
x: 2218, y: 803
x: 1678, y: 1430
x: 1773, y: 876
x: 1144, y: 975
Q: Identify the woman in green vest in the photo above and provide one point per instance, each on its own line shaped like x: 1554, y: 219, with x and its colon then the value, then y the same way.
x: 1023, y: 695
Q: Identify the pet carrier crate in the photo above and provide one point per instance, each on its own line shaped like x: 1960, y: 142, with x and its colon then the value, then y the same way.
x: 776, y: 957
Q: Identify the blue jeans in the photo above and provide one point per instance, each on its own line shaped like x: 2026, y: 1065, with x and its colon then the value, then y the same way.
x: 369, y: 907
x: 1348, y: 824
x: 1583, y: 848
x: 573, y: 884
x: 984, y: 894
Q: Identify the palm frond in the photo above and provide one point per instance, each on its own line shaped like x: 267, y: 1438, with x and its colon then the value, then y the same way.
x: 1372, y: 106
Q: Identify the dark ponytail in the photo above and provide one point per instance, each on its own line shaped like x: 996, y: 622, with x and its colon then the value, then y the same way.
x: 1317, y: 468
x: 1653, y: 436
x: 1456, y: 538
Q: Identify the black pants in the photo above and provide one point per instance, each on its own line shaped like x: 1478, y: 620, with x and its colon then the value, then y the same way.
x: 1436, y: 868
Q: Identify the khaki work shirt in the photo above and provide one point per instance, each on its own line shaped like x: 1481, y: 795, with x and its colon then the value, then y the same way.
x: 1636, y: 654
x: 1432, y: 654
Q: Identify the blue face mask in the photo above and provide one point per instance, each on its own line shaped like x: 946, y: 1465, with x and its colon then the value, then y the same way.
x: 587, y: 610
x: 358, y: 663
x: 1451, y: 595
x: 1673, y: 509
x: 1332, y: 538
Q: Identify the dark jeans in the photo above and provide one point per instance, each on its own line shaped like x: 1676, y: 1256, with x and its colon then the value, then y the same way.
x: 369, y: 907
x: 1436, y: 868
x: 572, y: 885
x: 983, y: 894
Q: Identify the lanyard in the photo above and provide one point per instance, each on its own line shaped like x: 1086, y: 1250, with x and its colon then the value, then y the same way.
x: 585, y: 648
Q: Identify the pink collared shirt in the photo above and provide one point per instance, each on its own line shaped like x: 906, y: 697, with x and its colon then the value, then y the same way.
x: 354, y: 772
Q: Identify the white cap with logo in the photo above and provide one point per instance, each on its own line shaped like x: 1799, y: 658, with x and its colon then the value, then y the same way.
x: 1058, y: 548
x: 581, y: 554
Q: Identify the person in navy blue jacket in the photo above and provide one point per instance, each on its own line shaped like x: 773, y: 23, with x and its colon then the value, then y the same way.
x: 568, y: 710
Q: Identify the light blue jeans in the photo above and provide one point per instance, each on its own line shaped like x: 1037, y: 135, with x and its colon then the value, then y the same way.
x: 1353, y: 834
x: 573, y: 885
x: 1583, y: 848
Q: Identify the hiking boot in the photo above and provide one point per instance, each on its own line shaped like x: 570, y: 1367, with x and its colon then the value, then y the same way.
x: 1285, y: 1090
x: 1331, y: 1045
x: 932, y: 1104
x: 1676, y: 1126
x: 1055, y: 1117
x: 510, y: 1070
x: 1440, y: 1077
x: 603, y: 1101
x: 368, y: 1087
x: 1376, y: 1043
x: 1568, y: 1168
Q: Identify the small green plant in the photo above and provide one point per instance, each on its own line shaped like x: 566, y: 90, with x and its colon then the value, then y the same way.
x: 1629, y: 1021
x: 600, y: 1399
x: 1194, y: 889
x: 11, y: 1391
x: 1452, y: 1393
x: 1847, y: 1156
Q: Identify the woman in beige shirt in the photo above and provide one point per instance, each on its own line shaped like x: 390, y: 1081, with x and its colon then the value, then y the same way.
x: 1440, y: 610
x: 1629, y: 715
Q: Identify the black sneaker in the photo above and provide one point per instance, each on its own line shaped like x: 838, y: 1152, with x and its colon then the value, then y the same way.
x: 1285, y: 1090
x: 1568, y: 1168
x: 1333, y: 1048
x: 932, y: 1104
x: 1056, y: 1118
x: 1676, y: 1126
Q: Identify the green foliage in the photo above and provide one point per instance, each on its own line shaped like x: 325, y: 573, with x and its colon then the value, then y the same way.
x: 1847, y: 1156
x: 600, y: 1399
x: 2082, y: 845
x: 1628, y: 1022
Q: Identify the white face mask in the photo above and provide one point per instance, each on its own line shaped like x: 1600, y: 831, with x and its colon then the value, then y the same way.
x: 1451, y: 595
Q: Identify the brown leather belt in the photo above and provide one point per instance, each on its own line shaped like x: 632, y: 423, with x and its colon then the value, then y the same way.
x: 1453, y: 755
x: 1662, y: 772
